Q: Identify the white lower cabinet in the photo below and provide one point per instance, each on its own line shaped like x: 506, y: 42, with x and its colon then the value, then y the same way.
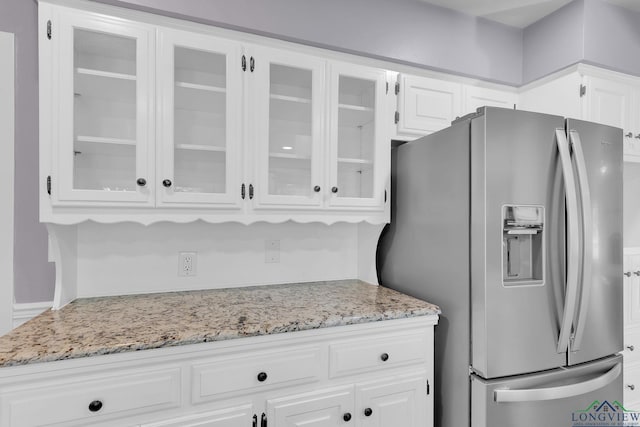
x: 284, y: 380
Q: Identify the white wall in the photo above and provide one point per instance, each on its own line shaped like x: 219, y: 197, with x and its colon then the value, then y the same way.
x: 131, y: 258
x: 6, y: 177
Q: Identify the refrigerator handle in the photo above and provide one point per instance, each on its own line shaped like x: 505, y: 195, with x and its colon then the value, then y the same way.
x: 560, y: 392
x: 587, y: 238
x: 573, y: 241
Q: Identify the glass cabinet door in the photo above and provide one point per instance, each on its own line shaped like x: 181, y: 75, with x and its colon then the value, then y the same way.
x: 199, y: 133
x: 288, y: 99
x: 104, y: 113
x: 359, y: 146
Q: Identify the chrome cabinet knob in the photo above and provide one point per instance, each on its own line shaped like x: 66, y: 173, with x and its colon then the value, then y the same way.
x: 637, y: 136
x: 316, y: 188
x: 631, y: 348
x: 167, y: 183
x: 636, y: 273
x: 631, y: 387
x: 141, y: 182
x: 627, y: 273
x: 628, y: 135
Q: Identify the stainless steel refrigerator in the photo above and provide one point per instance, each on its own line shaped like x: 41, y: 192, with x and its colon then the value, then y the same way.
x: 511, y: 222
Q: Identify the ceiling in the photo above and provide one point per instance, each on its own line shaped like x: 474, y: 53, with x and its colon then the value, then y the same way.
x: 517, y: 13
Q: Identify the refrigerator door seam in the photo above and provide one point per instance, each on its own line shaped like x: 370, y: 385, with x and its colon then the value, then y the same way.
x: 573, y: 241
x: 587, y: 238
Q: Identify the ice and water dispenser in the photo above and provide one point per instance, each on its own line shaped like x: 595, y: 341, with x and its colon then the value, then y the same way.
x: 522, y: 245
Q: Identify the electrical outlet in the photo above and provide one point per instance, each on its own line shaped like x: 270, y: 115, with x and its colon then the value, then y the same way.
x: 272, y: 251
x: 187, y: 263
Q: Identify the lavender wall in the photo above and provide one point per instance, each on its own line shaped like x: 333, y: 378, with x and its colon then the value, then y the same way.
x: 612, y: 37
x: 554, y: 42
x: 408, y: 31
x: 34, y: 276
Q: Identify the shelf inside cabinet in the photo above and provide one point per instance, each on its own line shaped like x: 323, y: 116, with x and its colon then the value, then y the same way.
x: 289, y: 161
x: 290, y: 108
x: 196, y: 97
x: 206, y: 88
x: 104, y: 84
x: 354, y: 115
x: 354, y: 165
x: 101, y: 145
x: 200, y: 147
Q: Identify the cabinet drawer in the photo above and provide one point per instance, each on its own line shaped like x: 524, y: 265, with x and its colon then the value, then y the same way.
x: 631, y: 347
x: 241, y: 375
x: 631, y: 386
x: 91, y: 399
x: 376, y: 352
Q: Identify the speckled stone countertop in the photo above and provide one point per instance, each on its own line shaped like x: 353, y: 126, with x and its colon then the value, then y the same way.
x: 106, y: 325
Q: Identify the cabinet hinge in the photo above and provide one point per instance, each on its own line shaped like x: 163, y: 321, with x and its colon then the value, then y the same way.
x: 397, y: 117
x: 428, y: 388
x: 387, y: 87
x: 243, y: 63
x: 583, y: 90
x: 515, y: 107
x: 49, y: 185
x: 397, y: 88
x: 385, y: 196
x: 252, y: 64
x: 49, y: 29
x: 263, y: 420
x: 250, y: 191
x: 255, y: 420
x: 242, y: 191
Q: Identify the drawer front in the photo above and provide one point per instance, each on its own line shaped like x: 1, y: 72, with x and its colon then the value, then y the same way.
x: 631, y: 347
x: 241, y: 375
x: 376, y: 352
x: 77, y: 402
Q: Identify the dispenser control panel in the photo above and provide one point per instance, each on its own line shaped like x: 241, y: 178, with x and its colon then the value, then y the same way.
x: 522, y: 245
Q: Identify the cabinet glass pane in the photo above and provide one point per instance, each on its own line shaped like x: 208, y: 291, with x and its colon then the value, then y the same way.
x: 356, y: 137
x: 290, y: 127
x: 104, y: 149
x: 200, y: 117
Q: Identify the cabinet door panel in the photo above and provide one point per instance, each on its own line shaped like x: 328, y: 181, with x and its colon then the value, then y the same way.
x: 199, y: 123
x: 238, y: 416
x: 609, y: 102
x: 359, y: 149
x: 475, y: 97
x: 427, y: 105
x: 287, y: 92
x: 102, y: 150
x: 397, y: 402
x: 326, y: 408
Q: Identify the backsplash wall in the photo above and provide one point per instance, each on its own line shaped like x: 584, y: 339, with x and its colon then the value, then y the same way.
x: 131, y: 258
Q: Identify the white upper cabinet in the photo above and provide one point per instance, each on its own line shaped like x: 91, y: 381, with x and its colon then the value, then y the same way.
x: 101, y: 133
x: 287, y: 93
x: 359, y: 143
x: 426, y: 105
x: 199, y: 122
x: 475, y: 97
x: 180, y: 121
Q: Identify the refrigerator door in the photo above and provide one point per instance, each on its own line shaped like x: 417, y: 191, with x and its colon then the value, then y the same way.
x: 517, y: 243
x: 562, y: 397
x: 598, y: 323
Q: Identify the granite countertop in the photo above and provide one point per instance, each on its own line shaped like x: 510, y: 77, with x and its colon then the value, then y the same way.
x: 107, y: 325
